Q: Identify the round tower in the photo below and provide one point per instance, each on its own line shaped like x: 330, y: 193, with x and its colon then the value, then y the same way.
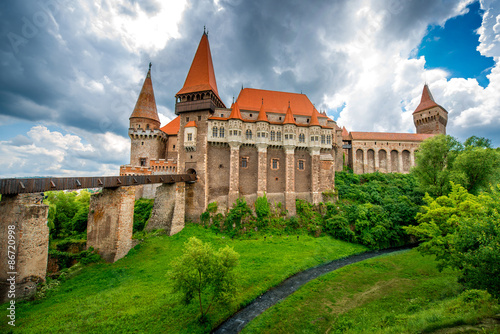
x: 429, y: 117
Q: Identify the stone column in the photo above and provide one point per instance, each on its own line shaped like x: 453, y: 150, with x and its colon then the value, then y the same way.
x: 110, y: 223
x: 365, y: 160
x: 400, y: 162
x: 290, y: 180
x: 27, y: 246
x: 178, y: 218
x: 412, y: 158
x: 375, y: 156
x: 163, y: 208
x: 389, y: 161
x: 315, y: 175
x: 234, y: 174
x: 262, y: 170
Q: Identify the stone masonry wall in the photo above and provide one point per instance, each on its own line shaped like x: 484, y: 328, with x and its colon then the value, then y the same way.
x: 28, y: 216
x: 163, y: 208
x: 110, y: 223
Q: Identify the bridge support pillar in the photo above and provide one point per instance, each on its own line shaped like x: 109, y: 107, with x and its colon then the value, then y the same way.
x: 27, y: 245
x: 169, y: 208
x: 110, y: 223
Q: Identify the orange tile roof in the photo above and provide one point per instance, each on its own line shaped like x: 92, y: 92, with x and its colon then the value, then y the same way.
x: 145, y: 106
x: 262, y: 114
x: 276, y: 102
x: 345, y: 134
x: 314, y: 117
x: 388, y: 136
x: 427, y: 101
x: 191, y: 124
x: 172, y: 128
x: 235, y: 112
x: 201, y: 76
x: 289, y: 116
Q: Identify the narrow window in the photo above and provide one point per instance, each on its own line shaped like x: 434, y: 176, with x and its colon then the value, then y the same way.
x: 248, y: 134
x: 275, y: 163
x: 301, y: 164
x: 214, y: 132
x: 273, y: 135
x: 286, y: 136
x: 244, y: 162
x: 278, y: 136
x: 187, y: 119
x: 230, y: 132
x: 222, y: 132
x: 323, y: 139
x: 143, y: 161
x: 199, y: 118
x: 190, y: 137
x: 147, y: 126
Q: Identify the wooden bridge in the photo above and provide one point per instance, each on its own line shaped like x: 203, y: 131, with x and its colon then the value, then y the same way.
x: 25, y: 235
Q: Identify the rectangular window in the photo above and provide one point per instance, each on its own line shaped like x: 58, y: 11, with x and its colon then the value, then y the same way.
x: 275, y: 163
x: 301, y: 165
x: 286, y: 137
x: 244, y: 162
x: 322, y: 139
x: 187, y: 119
x: 143, y: 161
x: 190, y: 137
x: 199, y: 118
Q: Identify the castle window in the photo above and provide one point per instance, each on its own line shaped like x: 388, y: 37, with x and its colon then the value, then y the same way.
x: 187, y: 119
x: 222, y: 132
x: 142, y: 143
x: 323, y: 139
x: 312, y: 138
x: 244, y: 162
x: 147, y: 126
x: 329, y: 139
x: 190, y: 137
x: 250, y: 115
x: 273, y: 135
x: 143, y: 161
x: 214, y: 132
x: 278, y: 136
x: 307, y: 120
x: 316, y: 138
x: 173, y: 146
x: 248, y: 134
x: 199, y: 118
x: 258, y: 134
x: 286, y: 136
x: 280, y: 118
x: 302, y: 138
x: 275, y: 163
x: 301, y: 165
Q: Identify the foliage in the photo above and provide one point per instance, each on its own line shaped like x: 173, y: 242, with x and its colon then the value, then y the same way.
x: 262, y: 211
x: 475, y: 141
x: 68, y: 212
x: 202, y: 272
x: 399, y: 293
x: 66, y: 259
x: 434, y: 163
x: 142, y: 212
x: 463, y: 232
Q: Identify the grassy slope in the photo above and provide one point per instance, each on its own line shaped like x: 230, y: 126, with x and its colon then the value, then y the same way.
x: 401, y: 293
x: 133, y: 294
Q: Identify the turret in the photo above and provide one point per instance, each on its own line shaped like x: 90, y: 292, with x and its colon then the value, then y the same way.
x: 429, y: 117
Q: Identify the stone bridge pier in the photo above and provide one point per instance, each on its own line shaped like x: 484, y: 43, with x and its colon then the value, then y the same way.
x: 24, y: 250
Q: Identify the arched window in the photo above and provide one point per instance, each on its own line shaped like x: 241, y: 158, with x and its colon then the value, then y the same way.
x: 214, y: 132
x: 278, y: 136
x: 273, y: 136
x: 221, y: 132
x: 248, y: 134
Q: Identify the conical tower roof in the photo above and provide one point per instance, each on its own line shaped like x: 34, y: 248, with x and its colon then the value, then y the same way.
x: 314, y: 118
x: 201, y: 76
x: 427, y: 100
x: 235, y: 112
x: 262, y: 114
x: 145, y: 106
x: 289, y: 116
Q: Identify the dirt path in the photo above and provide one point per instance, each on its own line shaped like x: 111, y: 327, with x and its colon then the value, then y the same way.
x: 240, y: 319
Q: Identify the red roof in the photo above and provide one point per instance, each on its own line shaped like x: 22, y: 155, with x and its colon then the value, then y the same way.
x: 201, y: 76
x: 172, y: 128
x: 345, y: 134
x: 427, y: 100
x: 235, y: 112
x: 314, y: 117
x: 289, y: 116
x: 145, y: 106
x: 191, y: 124
x: 276, y: 102
x: 388, y: 136
x: 262, y: 114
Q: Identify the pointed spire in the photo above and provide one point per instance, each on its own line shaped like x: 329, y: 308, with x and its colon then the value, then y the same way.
x: 262, y: 114
x: 314, y: 118
x: 235, y: 112
x: 201, y: 76
x: 146, y: 104
x: 289, y: 116
x: 427, y: 100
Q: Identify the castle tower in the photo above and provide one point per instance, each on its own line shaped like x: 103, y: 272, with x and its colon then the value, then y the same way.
x: 196, y: 102
x: 429, y: 117
x: 148, y: 142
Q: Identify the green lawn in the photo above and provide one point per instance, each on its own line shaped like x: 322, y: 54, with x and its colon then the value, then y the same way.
x: 397, y: 293
x: 133, y: 295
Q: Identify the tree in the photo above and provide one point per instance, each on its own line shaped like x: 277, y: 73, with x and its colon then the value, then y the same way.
x: 475, y: 141
x: 476, y: 167
x: 463, y: 232
x: 434, y: 163
x: 204, y: 274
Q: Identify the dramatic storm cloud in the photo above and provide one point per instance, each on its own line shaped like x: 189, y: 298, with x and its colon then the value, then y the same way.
x: 72, y: 71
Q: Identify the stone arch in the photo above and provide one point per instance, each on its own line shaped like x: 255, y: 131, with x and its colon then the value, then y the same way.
x: 370, y: 164
x: 394, y: 161
x: 382, y: 161
x: 358, y: 167
x: 406, y: 161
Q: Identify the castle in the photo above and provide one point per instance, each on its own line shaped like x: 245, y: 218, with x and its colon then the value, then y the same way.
x: 269, y: 142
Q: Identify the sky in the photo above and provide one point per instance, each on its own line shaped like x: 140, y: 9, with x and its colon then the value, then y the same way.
x: 71, y: 71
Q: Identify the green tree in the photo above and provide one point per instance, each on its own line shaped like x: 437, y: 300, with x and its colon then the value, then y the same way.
x: 434, y: 163
x: 476, y: 168
x: 204, y: 274
x: 475, y: 141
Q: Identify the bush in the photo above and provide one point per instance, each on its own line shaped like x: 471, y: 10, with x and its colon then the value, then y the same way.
x: 142, y: 212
